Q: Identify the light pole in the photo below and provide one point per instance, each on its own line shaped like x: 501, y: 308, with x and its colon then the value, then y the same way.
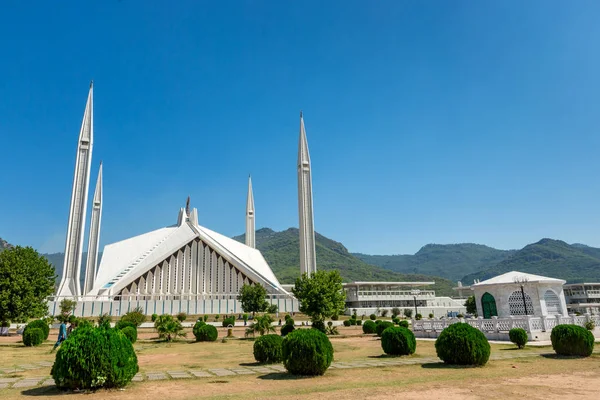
x: 415, y: 293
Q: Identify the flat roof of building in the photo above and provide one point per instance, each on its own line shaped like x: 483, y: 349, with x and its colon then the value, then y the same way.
x: 388, y: 283
x: 583, y: 284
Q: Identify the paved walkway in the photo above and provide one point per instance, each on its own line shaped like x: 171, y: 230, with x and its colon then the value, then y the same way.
x: 29, y: 382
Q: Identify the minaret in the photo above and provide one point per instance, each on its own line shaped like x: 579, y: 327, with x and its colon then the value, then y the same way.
x: 308, y: 260
x: 94, y: 239
x: 69, y: 283
x: 250, y: 217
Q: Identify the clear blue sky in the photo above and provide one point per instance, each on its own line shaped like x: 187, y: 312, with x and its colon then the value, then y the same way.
x: 428, y: 122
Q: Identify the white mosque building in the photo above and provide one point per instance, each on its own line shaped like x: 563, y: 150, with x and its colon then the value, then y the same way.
x: 182, y: 267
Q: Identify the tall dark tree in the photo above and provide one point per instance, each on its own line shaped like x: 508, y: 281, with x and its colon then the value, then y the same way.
x: 321, y: 295
x: 253, y: 298
x: 26, y: 279
x: 471, y: 306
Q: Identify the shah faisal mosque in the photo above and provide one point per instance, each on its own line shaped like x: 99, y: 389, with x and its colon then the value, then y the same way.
x: 186, y: 267
x: 184, y: 263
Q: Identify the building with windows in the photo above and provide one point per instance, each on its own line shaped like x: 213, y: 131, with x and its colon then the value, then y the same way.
x: 373, y: 297
x: 519, y: 294
x: 583, y: 298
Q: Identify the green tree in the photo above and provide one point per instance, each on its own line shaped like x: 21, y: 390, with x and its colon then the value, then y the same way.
x: 253, y: 298
x: 168, y: 328
x: 471, y: 306
x: 26, y: 279
x: 408, y: 312
x: 320, y: 295
x: 67, y: 306
x: 262, y: 324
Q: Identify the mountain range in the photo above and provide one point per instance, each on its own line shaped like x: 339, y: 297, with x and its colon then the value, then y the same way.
x: 444, y: 264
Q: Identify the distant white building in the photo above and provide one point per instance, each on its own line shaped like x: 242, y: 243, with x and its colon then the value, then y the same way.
x: 583, y: 298
x: 373, y: 297
x: 519, y: 294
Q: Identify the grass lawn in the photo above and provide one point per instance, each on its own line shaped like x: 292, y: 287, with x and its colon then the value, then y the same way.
x: 543, y: 377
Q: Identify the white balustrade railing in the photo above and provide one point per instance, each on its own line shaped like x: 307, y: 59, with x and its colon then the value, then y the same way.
x: 495, y: 324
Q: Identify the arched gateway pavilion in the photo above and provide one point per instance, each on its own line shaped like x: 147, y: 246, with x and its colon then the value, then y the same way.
x: 517, y: 294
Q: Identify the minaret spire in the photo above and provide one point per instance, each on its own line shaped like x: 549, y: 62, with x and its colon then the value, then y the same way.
x: 250, y: 217
x: 94, y: 239
x: 308, y: 260
x: 70, y: 281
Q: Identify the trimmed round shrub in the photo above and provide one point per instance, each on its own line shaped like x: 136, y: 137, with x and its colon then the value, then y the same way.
x: 287, y: 328
x: 403, y: 323
x: 382, y: 326
x: 229, y: 321
x: 205, y: 333
x: 38, y: 323
x: 307, y: 352
x: 267, y: 349
x: 346, y: 322
x: 418, y: 317
x: 131, y: 333
x: 572, y: 340
x: 33, y: 337
x: 93, y: 358
x: 590, y: 325
x: 182, y: 316
x: 154, y: 316
x: 398, y: 341
x: 352, y: 321
x: 462, y: 344
x: 518, y: 336
x: 358, y: 322
x: 373, y: 317
x: 396, y: 320
x: 290, y: 321
x: 369, y: 326
x: 122, y: 324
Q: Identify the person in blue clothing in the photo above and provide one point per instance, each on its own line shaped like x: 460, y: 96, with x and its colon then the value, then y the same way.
x: 62, y: 335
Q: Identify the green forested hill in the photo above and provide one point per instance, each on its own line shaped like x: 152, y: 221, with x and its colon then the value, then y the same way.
x: 549, y: 257
x: 451, y: 261
x: 281, y: 250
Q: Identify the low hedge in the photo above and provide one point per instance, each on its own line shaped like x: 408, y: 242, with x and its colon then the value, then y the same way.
x: 39, y: 324
x: 358, y: 322
x: 267, y: 349
x: 369, y: 326
x: 382, y: 326
x: 398, y: 341
x: 307, y: 352
x: 462, y: 344
x: 572, y: 340
x: 205, y: 333
x: 518, y: 336
x: 131, y: 333
x: 94, y: 357
x: 346, y: 322
x: 403, y: 323
x: 33, y: 337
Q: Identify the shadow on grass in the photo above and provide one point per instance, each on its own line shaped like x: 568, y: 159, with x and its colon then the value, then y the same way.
x: 283, y: 376
x: 554, y: 356
x: 46, y: 391
x: 251, y: 364
x: 441, y: 365
x: 383, y: 356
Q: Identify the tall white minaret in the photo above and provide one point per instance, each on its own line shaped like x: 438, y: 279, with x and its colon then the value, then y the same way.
x: 250, y: 217
x: 308, y: 259
x: 94, y: 239
x: 69, y: 283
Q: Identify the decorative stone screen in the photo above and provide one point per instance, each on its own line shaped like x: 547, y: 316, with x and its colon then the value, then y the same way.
x: 517, y: 306
x: 552, y: 302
